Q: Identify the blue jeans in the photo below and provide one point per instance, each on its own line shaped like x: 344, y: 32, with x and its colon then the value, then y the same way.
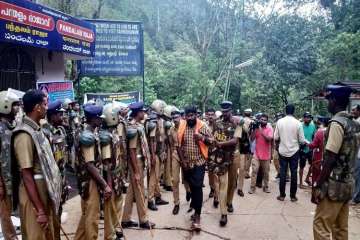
x: 356, y: 196
x: 285, y: 162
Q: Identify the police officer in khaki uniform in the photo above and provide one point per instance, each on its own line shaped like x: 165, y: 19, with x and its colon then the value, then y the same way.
x: 247, y: 122
x: 139, y: 157
x: 114, y: 155
x: 89, y: 171
x: 210, y: 118
x: 275, y: 153
x: 9, y: 107
x: 333, y: 189
x: 56, y: 134
x: 36, y: 176
x: 156, y: 139
x: 225, y: 145
x: 168, y: 157
x: 245, y: 151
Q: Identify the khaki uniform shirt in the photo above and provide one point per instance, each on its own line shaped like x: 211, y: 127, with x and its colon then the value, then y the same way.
x: 25, y: 153
x: 135, y: 142
x: 335, y: 138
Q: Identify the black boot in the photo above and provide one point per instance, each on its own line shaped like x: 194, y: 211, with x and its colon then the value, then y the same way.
x: 223, y: 220
x: 147, y: 225
x: 240, y: 193
x: 159, y: 201
x: 216, y: 203
x: 152, y: 206
x: 129, y: 224
x: 176, y: 209
x: 188, y: 196
x: 230, y: 208
x: 119, y: 235
x: 211, y: 194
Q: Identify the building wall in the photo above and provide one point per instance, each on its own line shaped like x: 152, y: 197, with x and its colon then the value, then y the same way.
x: 48, y: 66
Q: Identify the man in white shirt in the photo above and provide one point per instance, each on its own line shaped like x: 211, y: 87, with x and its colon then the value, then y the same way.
x: 289, y: 135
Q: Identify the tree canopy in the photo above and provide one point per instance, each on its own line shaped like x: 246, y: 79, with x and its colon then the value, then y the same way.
x: 261, y: 54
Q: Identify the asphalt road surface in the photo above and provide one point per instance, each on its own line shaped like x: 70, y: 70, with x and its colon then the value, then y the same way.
x: 256, y: 217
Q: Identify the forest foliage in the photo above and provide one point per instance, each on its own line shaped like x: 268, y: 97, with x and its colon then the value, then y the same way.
x: 261, y: 54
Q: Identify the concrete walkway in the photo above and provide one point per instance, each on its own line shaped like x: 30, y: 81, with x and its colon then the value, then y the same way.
x: 256, y: 217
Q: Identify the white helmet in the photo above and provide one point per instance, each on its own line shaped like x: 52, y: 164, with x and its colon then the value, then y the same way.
x: 218, y: 114
x: 111, y: 114
x: 158, y: 106
x: 168, y: 110
x: 67, y: 102
x: 6, y: 101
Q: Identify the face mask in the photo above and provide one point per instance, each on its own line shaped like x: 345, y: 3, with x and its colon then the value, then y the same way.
x: 191, y: 122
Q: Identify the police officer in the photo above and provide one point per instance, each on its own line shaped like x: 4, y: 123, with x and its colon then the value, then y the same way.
x: 9, y: 107
x: 275, y: 153
x: 56, y: 134
x: 114, y: 155
x: 246, y: 148
x: 70, y: 126
x: 245, y: 151
x: 156, y: 136
x: 225, y: 144
x: 333, y: 189
x: 210, y: 118
x: 36, y: 176
x: 139, y: 155
x: 168, y: 124
x: 91, y: 182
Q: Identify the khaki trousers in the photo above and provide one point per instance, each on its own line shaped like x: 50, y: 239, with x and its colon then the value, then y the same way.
x: 233, y: 176
x: 30, y: 229
x: 167, y: 168
x: 154, y: 181
x: 275, y: 157
x: 175, y: 172
x: 331, y: 219
x: 113, y: 209
x: 7, y: 226
x: 175, y: 169
x: 242, y: 166
x: 221, y: 187
x: 248, y: 158
x: 89, y: 221
x: 265, y: 165
x: 135, y: 191
x: 211, y: 180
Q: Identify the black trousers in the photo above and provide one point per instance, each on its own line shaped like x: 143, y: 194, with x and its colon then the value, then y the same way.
x: 195, y: 178
x: 285, y: 162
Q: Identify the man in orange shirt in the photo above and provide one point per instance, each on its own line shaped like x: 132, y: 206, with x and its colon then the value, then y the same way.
x: 194, y: 137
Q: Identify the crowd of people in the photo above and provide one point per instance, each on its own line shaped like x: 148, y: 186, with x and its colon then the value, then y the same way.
x: 123, y: 155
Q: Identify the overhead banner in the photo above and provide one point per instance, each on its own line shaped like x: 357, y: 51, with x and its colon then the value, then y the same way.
x: 104, y: 98
x: 57, y: 90
x: 27, y: 23
x: 119, y: 50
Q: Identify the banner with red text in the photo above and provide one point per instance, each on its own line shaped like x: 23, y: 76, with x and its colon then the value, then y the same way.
x: 57, y: 90
x: 27, y: 23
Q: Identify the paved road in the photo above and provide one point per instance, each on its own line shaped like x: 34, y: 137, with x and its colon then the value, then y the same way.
x: 256, y: 217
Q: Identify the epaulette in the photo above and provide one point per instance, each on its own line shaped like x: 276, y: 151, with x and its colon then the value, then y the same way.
x: 105, y: 137
x: 151, y: 125
x: 167, y: 125
x: 87, y: 138
x: 131, y: 133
